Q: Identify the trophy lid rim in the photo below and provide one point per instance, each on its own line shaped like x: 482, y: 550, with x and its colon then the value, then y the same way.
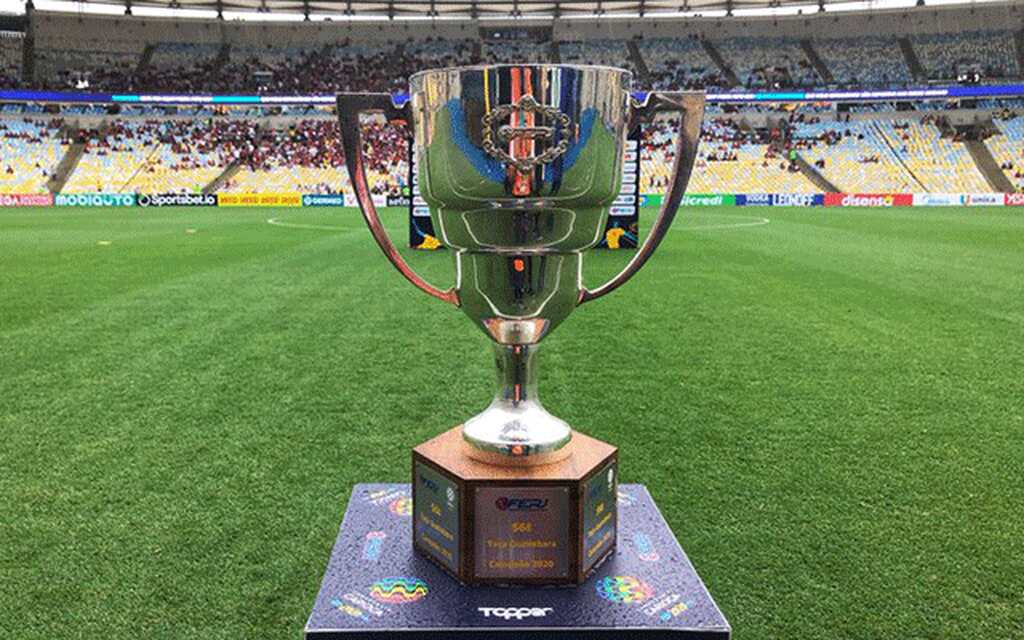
x: 506, y: 65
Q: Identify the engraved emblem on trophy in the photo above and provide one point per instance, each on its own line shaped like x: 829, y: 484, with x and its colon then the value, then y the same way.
x: 519, y: 165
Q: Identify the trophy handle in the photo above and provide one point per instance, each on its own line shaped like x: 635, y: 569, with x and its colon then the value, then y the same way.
x: 350, y: 105
x: 690, y: 107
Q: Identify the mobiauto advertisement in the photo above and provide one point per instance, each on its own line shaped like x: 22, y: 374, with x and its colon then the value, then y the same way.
x: 95, y: 200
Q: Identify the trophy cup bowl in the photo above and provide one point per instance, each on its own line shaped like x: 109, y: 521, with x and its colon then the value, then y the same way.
x: 520, y: 165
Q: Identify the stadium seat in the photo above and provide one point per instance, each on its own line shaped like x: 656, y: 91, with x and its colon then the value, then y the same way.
x: 29, y: 152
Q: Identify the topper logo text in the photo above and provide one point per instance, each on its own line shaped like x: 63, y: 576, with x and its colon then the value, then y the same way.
x: 515, y: 613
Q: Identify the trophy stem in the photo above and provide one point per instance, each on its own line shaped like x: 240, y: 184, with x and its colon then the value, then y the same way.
x: 516, y: 429
x: 517, y: 373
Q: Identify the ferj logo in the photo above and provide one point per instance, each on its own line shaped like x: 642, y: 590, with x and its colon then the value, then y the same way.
x: 521, y: 504
x: 624, y: 589
x: 398, y: 590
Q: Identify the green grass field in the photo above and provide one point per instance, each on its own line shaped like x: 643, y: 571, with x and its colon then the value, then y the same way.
x: 829, y: 409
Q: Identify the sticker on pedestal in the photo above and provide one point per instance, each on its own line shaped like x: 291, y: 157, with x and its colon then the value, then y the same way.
x: 521, y: 532
x: 436, y: 516
x: 599, y: 515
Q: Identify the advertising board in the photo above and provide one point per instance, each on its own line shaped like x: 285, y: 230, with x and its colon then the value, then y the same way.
x: 26, y: 199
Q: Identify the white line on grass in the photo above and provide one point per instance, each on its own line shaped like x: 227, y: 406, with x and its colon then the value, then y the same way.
x: 754, y: 222
x: 293, y: 225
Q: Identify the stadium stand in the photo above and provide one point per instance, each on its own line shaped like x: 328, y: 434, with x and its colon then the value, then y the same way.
x: 306, y: 157
x: 991, y: 54
x: 768, y: 62
x: 853, y: 156
x: 751, y: 148
x: 29, y: 152
x: 508, y: 51
x: 730, y: 160
x: 612, y: 53
x: 91, y: 64
x: 870, y: 61
x: 10, y: 58
x: 439, y: 52
x: 679, y: 63
x: 1007, y: 147
x: 941, y: 164
x: 183, y: 155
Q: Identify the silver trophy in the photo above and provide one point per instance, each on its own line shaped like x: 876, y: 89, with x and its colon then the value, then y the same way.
x: 520, y: 165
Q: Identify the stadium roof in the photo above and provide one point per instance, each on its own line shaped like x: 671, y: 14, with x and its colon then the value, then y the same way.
x: 472, y: 9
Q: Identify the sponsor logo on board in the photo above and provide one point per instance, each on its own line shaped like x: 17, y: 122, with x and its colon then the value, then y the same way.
x: 177, y: 200
x: 985, y: 199
x: 26, y: 199
x: 868, y: 199
x: 514, y: 613
x: 95, y: 200
x: 323, y: 200
x: 521, y: 504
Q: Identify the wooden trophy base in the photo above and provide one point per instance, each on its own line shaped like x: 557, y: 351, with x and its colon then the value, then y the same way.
x: 501, y: 524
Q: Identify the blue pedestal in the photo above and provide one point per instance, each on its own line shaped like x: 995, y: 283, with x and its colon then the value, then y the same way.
x: 375, y: 587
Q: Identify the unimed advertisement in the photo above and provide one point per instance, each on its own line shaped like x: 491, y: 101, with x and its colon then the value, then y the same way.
x: 869, y: 199
x: 323, y: 200
x: 26, y: 199
x: 95, y: 200
x: 285, y: 199
x: 986, y: 199
x: 176, y: 200
x: 940, y: 199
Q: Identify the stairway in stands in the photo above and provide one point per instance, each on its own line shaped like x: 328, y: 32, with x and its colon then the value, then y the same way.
x: 913, y: 62
x: 988, y: 167
x: 818, y: 178
x: 223, y: 56
x: 816, y: 61
x: 145, y: 59
x: 28, y: 56
x: 723, y: 66
x: 639, y: 64
x: 890, y: 151
x: 228, y: 173
x: 68, y: 163
x: 1018, y: 40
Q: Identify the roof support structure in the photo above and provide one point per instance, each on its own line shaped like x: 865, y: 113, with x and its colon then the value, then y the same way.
x: 479, y: 9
